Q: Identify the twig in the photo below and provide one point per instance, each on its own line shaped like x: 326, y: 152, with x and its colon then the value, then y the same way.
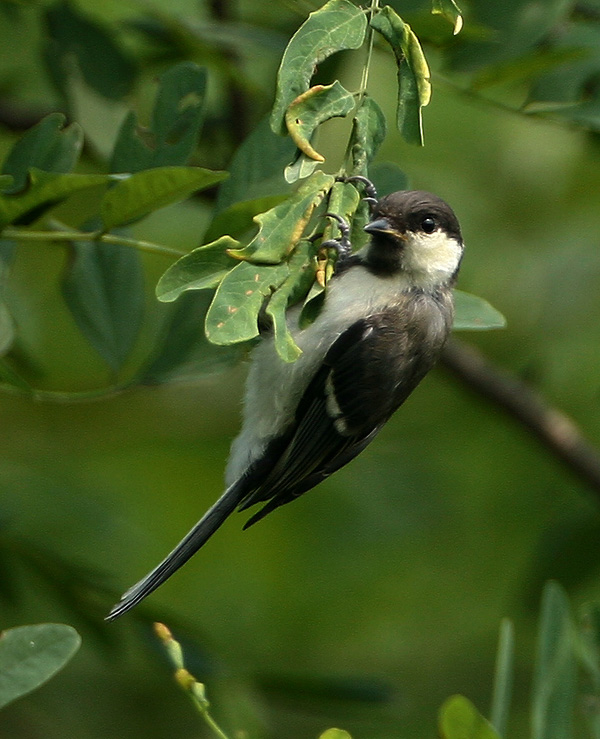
x: 550, y: 425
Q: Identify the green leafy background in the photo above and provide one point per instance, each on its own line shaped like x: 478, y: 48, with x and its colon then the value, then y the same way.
x: 371, y: 600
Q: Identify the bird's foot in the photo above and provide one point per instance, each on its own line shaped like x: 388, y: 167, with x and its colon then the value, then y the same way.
x: 370, y: 190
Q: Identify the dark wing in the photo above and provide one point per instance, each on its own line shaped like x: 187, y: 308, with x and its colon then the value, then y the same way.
x: 367, y: 374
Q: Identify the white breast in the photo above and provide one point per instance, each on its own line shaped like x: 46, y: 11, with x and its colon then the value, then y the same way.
x: 274, y: 387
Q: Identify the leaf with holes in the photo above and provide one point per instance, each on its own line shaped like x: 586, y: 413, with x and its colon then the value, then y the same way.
x: 136, y: 196
x: 313, y: 107
x: 201, y: 269
x: 338, y: 25
x: 414, y: 86
x: 281, y: 228
x: 233, y: 313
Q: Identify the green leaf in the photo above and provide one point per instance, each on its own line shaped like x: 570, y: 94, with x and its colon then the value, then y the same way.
x: 503, y: 678
x: 182, y: 349
x: 45, y: 189
x: 174, y: 127
x: 293, y: 289
x: 9, y: 377
x: 313, y: 107
x: 202, y: 268
x: 7, y: 328
x: 335, y: 734
x: 144, y: 192
x: 301, y: 167
x: 281, y: 228
x: 49, y: 145
x: 237, y: 219
x: 31, y: 655
x: 368, y: 132
x: 555, y: 672
x: 450, y: 10
x: 459, y: 719
x: 475, y: 314
x: 388, y: 177
x: 233, y: 313
x: 338, y: 25
x: 104, y: 290
x: 414, y: 87
x: 253, y: 173
x: 104, y: 65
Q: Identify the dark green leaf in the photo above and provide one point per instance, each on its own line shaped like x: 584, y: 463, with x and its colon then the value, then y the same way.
x: 503, y: 678
x: 293, y: 289
x: 202, y: 268
x: 49, y: 145
x: 338, y: 25
x: 183, y: 351
x: 31, y: 655
x: 104, y: 65
x: 554, y: 680
x: 414, y: 87
x: 233, y: 314
x: 301, y: 167
x: 450, y: 10
x: 9, y: 377
x: 44, y: 190
x: 313, y: 107
x: 475, y: 314
x: 174, y: 127
x: 238, y: 219
x: 281, y: 228
x: 143, y: 192
x: 368, y: 133
x: 104, y: 290
x: 256, y: 170
x: 459, y: 719
x: 388, y: 177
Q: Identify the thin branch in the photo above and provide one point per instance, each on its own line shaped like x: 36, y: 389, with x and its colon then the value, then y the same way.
x: 548, y: 424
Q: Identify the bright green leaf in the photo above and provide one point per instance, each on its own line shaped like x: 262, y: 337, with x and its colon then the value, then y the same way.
x: 313, y: 107
x: 146, y: 191
x: 233, y: 313
x: 503, y: 678
x: 414, y: 86
x: 450, y: 10
x: 368, y: 133
x: 49, y: 145
x: 554, y: 693
x: 202, y: 268
x: 45, y: 189
x: 475, y: 314
x: 253, y: 175
x: 301, y: 167
x: 105, y: 67
x: 237, y: 219
x: 338, y: 25
x: 335, y: 734
x: 174, y: 127
x: 459, y: 719
x: 293, y: 289
x: 104, y: 289
x: 281, y: 228
x: 31, y: 655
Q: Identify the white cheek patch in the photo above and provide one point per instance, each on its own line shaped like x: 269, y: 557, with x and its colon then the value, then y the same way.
x: 433, y: 258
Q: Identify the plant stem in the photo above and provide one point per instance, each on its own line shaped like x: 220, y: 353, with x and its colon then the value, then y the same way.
x: 370, y: 35
x: 17, y: 234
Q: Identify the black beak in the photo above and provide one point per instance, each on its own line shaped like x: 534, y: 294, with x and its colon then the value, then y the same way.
x: 383, y: 226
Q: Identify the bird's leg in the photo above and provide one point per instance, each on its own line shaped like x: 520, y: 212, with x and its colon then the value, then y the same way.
x: 341, y: 245
x: 370, y: 190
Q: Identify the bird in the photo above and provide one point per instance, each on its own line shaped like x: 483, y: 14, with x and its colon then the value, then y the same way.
x: 386, y: 316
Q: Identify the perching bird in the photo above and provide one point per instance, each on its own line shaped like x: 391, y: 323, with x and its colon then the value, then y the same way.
x: 387, y: 314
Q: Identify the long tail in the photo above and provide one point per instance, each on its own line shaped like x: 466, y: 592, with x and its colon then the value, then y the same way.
x: 188, y: 546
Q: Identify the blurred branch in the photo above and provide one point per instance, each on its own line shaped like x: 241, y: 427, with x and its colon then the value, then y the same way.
x: 552, y: 427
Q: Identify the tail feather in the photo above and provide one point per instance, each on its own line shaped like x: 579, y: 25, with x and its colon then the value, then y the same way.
x: 188, y: 546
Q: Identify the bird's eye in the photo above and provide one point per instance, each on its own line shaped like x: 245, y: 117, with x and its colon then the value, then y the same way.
x: 428, y: 225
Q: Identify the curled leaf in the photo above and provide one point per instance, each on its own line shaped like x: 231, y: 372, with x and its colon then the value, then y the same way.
x: 414, y: 86
x: 450, y: 10
x: 318, y: 104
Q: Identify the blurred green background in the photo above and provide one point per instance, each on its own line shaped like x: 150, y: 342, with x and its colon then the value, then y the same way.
x: 370, y: 600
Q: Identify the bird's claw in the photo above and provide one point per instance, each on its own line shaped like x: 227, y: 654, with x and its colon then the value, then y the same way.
x: 341, y: 245
x: 370, y: 190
